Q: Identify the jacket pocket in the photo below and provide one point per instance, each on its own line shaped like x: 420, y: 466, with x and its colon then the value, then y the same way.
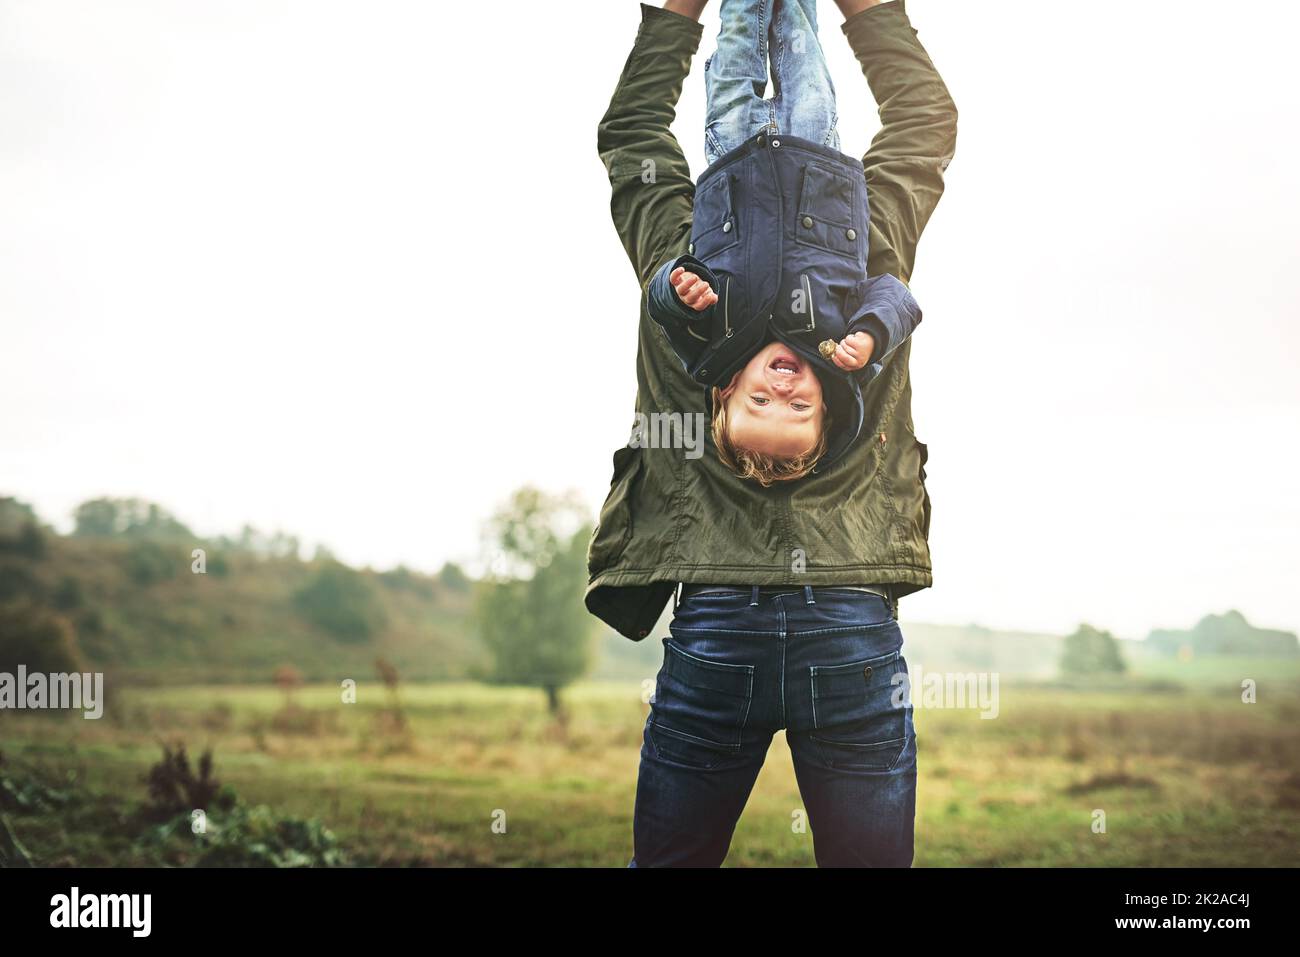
x: 614, y: 527
x: 715, y: 226
x: 700, y: 708
x: 860, y: 713
x: 828, y: 212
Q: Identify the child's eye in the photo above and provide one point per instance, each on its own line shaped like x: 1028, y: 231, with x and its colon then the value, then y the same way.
x: 800, y: 406
x: 759, y: 399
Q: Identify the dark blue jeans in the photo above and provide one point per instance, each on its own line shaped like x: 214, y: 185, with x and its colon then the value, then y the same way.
x: 825, y: 664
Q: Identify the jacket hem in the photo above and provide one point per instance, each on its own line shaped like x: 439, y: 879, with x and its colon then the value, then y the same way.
x: 703, y: 573
x: 630, y: 600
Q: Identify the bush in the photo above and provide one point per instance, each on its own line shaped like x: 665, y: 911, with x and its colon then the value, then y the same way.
x: 37, y: 638
x: 1090, y: 651
x: 255, y: 837
x: 174, y: 788
x: 218, y: 567
x: 68, y: 594
x: 454, y: 578
x: 27, y: 794
x: 29, y: 542
x: 402, y: 578
x: 149, y: 562
x: 340, y: 601
x: 19, y: 582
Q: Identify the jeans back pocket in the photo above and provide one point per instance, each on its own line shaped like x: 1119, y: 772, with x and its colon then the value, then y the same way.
x: 700, y: 708
x: 860, y: 712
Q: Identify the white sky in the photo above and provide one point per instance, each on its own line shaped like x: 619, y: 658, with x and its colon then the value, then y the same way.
x: 304, y: 264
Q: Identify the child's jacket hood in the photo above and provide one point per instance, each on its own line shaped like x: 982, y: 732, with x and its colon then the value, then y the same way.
x: 780, y: 233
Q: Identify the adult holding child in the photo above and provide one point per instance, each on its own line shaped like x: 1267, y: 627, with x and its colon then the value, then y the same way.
x: 787, y: 616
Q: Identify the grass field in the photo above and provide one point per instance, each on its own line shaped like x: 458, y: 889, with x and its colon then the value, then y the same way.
x: 1185, y: 777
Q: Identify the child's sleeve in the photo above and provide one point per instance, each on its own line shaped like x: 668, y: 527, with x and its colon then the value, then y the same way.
x: 688, y: 331
x: 652, y: 192
x: 888, y: 311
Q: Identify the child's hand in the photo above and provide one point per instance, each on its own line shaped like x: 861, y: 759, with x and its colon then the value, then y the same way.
x: 692, y: 290
x: 853, y: 352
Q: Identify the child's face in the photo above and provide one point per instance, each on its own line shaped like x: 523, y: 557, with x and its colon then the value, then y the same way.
x: 774, y: 404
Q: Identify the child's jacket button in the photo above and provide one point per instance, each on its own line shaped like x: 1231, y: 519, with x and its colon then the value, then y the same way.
x: 807, y: 222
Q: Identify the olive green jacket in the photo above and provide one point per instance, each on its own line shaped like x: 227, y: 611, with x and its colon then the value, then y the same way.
x: 672, y: 517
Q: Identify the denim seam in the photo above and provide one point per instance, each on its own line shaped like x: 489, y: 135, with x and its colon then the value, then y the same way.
x: 784, y: 720
x: 878, y: 746
x: 843, y: 629
x: 659, y: 726
x: 725, y: 667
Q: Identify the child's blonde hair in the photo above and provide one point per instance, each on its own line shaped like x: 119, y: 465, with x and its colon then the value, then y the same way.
x: 761, y: 467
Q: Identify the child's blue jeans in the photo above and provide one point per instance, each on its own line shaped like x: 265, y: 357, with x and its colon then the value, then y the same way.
x: 753, y: 33
x: 823, y: 664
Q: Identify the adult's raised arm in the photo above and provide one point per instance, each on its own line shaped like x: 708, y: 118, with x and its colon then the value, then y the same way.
x: 918, y: 135
x: 652, y: 191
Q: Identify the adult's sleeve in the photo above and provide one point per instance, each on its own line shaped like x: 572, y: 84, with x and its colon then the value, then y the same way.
x: 918, y: 136
x: 650, y: 181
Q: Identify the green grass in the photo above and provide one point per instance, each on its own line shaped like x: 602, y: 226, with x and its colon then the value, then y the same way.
x: 1217, y: 670
x: 1184, y: 778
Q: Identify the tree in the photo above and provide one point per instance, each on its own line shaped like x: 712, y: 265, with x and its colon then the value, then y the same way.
x: 38, y: 638
x: 14, y: 515
x: 129, y: 518
x: 1089, y: 652
x: 27, y: 542
x: 148, y: 562
x: 96, y: 518
x: 529, y: 610
x: 341, y: 601
x: 453, y: 577
x: 1226, y: 634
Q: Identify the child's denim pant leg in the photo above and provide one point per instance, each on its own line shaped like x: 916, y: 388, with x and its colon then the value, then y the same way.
x: 803, y: 94
x: 755, y: 33
x: 735, y: 78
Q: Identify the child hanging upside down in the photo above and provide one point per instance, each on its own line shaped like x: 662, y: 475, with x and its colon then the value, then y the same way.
x: 771, y: 308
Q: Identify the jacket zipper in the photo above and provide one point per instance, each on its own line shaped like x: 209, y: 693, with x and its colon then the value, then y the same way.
x: 812, y: 314
x: 726, y: 307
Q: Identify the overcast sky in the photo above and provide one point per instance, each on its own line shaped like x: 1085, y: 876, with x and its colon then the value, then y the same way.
x: 302, y: 264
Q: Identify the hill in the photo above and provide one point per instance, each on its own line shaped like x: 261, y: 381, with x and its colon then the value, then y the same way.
x: 142, y: 605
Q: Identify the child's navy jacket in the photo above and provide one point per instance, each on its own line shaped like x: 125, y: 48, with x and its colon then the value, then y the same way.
x: 780, y: 233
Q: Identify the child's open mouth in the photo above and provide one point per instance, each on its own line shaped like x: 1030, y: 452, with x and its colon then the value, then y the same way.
x: 786, y: 365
